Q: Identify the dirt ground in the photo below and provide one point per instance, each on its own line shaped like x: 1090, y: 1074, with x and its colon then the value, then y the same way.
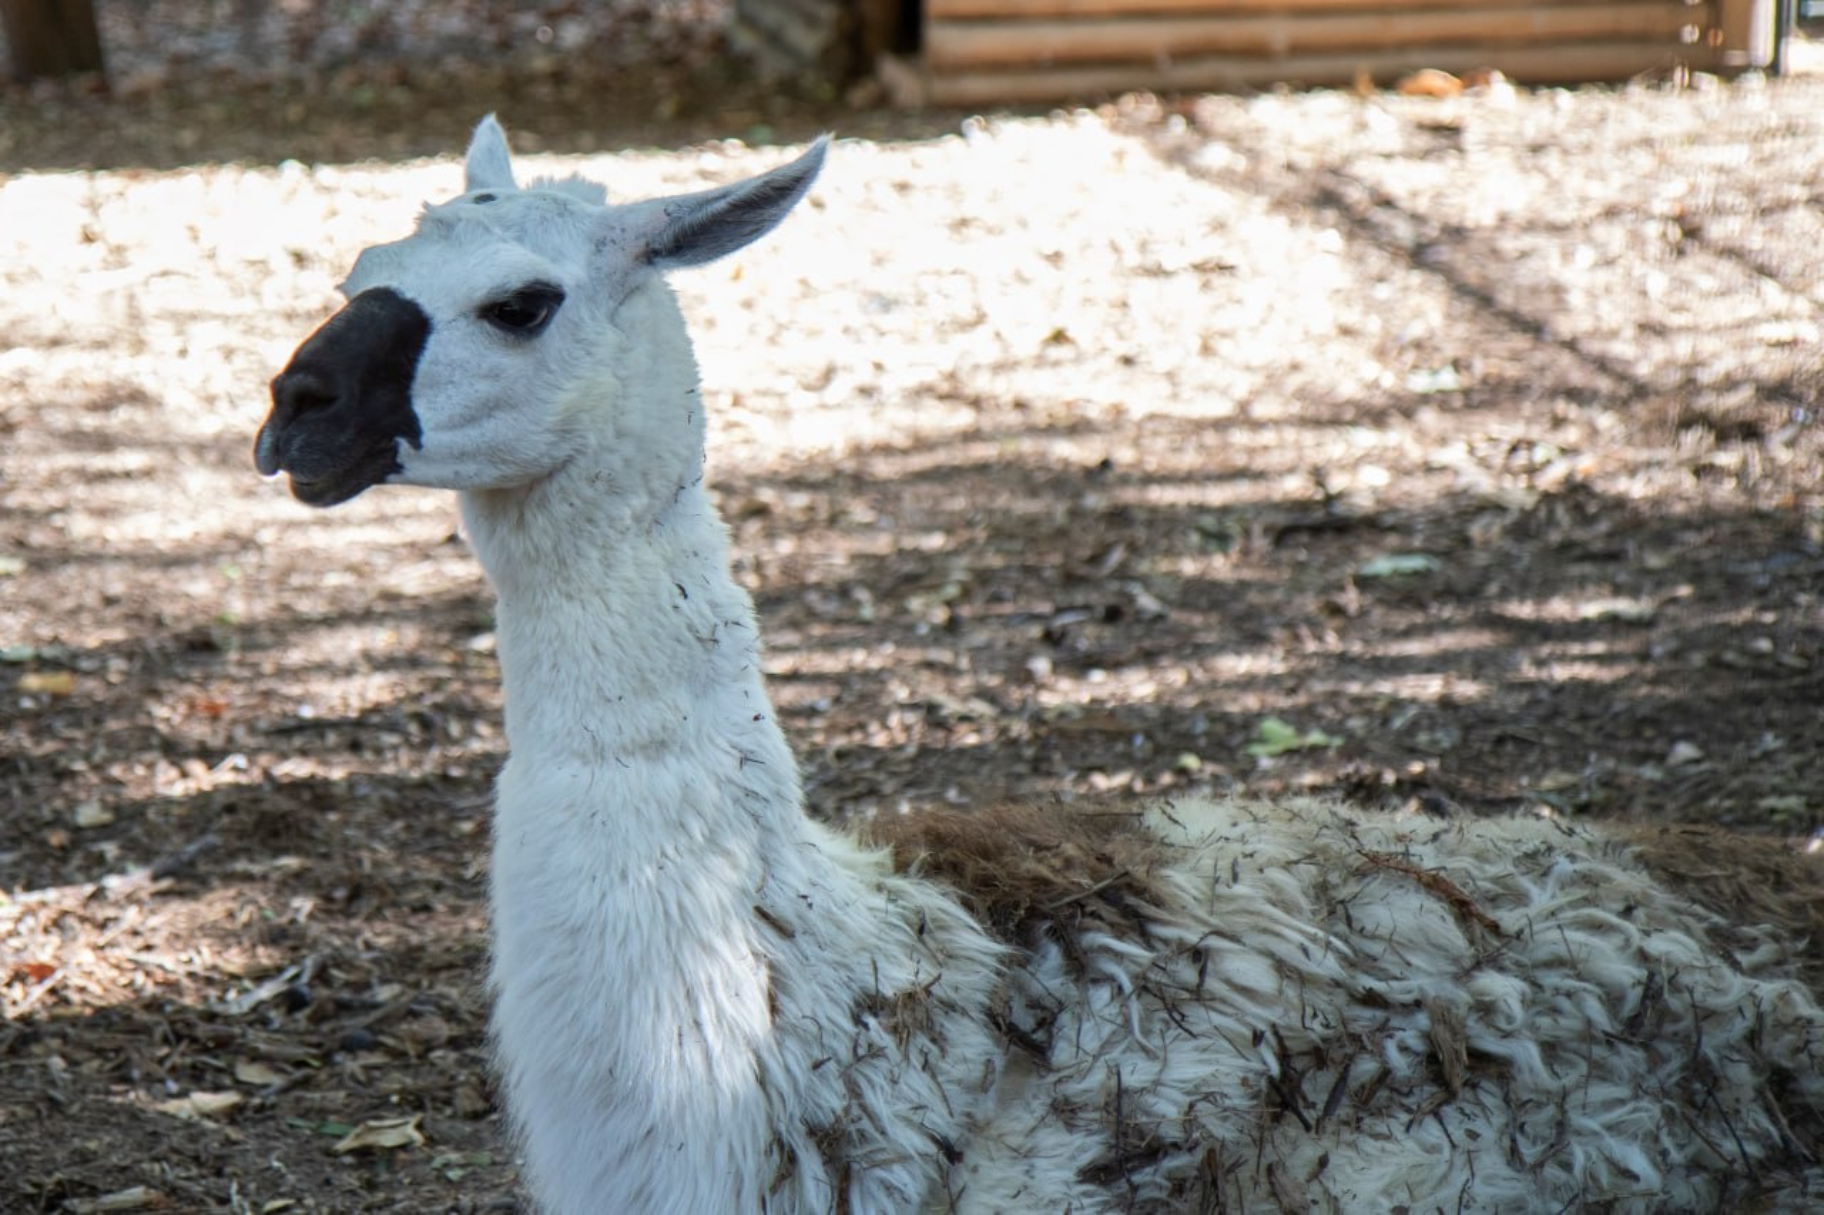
x: 1464, y: 451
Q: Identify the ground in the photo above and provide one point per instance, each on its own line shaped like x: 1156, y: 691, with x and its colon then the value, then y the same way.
x: 1457, y: 452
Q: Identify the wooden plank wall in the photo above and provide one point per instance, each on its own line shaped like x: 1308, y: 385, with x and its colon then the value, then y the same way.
x: 792, y: 37
x: 979, y: 52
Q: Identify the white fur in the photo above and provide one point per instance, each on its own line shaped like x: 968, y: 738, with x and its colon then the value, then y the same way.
x: 1302, y: 941
x: 708, y: 1003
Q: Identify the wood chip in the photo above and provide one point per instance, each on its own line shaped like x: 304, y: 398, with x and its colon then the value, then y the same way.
x: 1449, y: 1042
x: 135, y: 1198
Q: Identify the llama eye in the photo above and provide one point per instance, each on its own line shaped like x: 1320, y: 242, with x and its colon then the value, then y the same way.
x: 526, y: 311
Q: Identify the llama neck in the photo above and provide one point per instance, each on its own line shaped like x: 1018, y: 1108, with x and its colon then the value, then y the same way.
x: 648, y: 821
x: 625, y: 645
x: 693, y: 980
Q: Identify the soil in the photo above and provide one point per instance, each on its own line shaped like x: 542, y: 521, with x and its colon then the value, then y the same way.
x: 1458, y: 452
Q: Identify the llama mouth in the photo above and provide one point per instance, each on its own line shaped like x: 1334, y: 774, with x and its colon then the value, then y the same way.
x: 318, y: 487
x: 328, y: 491
x: 318, y: 474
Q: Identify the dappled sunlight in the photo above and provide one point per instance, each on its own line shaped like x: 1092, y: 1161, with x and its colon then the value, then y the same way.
x: 82, y: 947
x: 1592, y: 605
x: 1564, y: 671
x: 257, y: 1008
x: 1408, y: 453
x: 1131, y: 439
x: 1116, y: 287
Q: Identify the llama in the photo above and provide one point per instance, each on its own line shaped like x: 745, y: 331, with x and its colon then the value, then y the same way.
x: 705, y: 1001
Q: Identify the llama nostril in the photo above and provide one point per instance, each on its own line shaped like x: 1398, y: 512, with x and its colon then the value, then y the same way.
x: 295, y: 393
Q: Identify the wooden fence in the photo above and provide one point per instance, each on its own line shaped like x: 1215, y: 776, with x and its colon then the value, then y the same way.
x: 982, y: 52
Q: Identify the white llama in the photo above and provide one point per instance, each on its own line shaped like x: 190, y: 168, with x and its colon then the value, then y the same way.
x: 708, y: 1003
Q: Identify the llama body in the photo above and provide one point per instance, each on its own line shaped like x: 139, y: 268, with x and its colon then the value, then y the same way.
x: 706, y: 1002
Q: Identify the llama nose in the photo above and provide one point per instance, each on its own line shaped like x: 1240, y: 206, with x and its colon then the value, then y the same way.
x: 355, y: 375
x: 294, y: 394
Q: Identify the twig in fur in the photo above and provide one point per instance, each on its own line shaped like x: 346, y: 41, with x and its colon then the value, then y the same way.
x: 1459, y: 899
x: 1088, y: 893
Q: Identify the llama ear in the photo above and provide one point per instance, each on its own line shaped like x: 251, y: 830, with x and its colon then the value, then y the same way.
x: 695, y: 228
x: 488, y: 165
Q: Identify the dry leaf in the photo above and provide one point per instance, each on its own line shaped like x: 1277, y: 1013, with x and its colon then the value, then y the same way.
x: 1398, y: 565
x: 247, y: 1001
x: 252, y: 1071
x: 381, y: 1133
x: 48, y: 683
x: 469, y: 1101
x: 1783, y: 805
x: 200, y: 1105
x: 456, y: 1165
x: 135, y: 1198
x: 1429, y: 82
x: 1621, y: 610
x: 91, y: 813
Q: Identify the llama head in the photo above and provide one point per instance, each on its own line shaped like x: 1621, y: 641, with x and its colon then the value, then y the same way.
x: 469, y: 352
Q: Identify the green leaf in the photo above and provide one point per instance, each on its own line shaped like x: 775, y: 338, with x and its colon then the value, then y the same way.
x: 1274, y: 736
x: 1398, y: 565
